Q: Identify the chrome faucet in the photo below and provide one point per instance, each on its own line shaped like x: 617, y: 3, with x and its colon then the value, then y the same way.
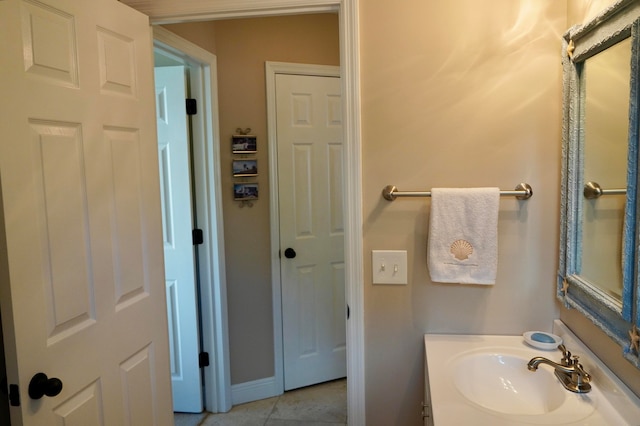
x: 570, y: 372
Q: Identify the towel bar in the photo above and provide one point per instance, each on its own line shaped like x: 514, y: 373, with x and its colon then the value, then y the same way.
x: 522, y: 192
x: 593, y: 190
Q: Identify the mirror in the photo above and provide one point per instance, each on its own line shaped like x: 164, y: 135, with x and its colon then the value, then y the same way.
x: 598, y: 272
x: 605, y: 86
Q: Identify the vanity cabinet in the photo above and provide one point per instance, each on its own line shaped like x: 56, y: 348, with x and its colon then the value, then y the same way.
x: 427, y: 413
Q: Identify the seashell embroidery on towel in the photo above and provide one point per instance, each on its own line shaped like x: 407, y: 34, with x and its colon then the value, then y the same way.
x: 461, y: 249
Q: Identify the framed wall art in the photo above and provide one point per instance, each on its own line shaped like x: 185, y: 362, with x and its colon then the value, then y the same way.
x: 245, y: 191
x: 244, y: 144
x: 242, y: 168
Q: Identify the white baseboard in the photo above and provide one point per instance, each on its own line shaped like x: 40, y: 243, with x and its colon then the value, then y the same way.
x: 253, y: 391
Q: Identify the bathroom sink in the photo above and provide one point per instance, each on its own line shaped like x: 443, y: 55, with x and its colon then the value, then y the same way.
x: 496, y: 379
x: 483, y: 380
x: 500, y: 381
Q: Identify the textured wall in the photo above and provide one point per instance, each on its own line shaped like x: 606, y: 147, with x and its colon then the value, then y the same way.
x: 198, y: 33
x: 456, y: 94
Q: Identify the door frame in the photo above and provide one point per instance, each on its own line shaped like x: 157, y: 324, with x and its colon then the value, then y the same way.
x: 348, y: 12
x: 271, y: 70
x: 211, y: 272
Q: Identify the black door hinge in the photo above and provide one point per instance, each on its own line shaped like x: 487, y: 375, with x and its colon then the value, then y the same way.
x: 14, y: 395
x: 192, y: 106
x: 203, y: 359
x: 348, y: 312
x: 197, y: 237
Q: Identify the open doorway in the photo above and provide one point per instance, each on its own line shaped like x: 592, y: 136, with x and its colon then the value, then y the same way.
x: 242, y: 47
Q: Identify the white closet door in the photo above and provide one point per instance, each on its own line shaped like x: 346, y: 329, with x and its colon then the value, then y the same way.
x: 180, y: 277
x: 310, y: 190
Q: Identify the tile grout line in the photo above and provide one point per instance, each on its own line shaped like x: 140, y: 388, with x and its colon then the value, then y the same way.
x: 204, y: 419
x: 272, y: 410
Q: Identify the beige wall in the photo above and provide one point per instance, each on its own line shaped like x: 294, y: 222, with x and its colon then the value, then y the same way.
x: 580, y: 11
x: 456, y: 94
x: 199, y: 33
x: 242, y: 47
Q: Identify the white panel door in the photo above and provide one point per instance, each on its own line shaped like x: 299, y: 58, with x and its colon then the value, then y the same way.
x: 175, y: 194
x: 310, y: 192
x: 81, y: 265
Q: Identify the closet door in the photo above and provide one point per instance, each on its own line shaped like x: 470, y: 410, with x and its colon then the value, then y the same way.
x: 310, y: 192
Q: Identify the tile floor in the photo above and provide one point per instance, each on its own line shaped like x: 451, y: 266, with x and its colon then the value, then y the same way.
x: 320, y: 405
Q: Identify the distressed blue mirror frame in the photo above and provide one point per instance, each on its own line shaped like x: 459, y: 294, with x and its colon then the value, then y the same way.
x: 618, y: 320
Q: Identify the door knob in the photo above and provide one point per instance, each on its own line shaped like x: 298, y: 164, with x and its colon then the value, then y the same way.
x: 289, y: 253
x: 40, y: 385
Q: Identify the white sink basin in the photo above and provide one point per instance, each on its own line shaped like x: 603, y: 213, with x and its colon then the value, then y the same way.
x: 501, y: 382
x: 483, y: 380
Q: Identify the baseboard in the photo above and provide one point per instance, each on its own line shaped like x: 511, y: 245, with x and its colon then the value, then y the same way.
x: 254, y: 390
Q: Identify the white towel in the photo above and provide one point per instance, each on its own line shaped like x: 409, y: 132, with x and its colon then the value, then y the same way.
x: 463, y: 235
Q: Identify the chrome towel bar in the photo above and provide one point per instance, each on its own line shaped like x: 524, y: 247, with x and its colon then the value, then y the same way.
x: 593, y: 190
x: 522, y: 192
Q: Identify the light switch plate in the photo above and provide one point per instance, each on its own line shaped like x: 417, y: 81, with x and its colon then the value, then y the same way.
x: 389, y: 266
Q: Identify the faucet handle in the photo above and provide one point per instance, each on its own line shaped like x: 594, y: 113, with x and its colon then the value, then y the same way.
x: 566, y: 355
x: 583, y: 376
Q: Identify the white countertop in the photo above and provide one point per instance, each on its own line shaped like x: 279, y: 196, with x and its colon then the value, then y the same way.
x: 613, y: 403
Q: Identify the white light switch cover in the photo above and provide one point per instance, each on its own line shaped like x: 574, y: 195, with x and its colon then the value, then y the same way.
x: 389, y: 266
